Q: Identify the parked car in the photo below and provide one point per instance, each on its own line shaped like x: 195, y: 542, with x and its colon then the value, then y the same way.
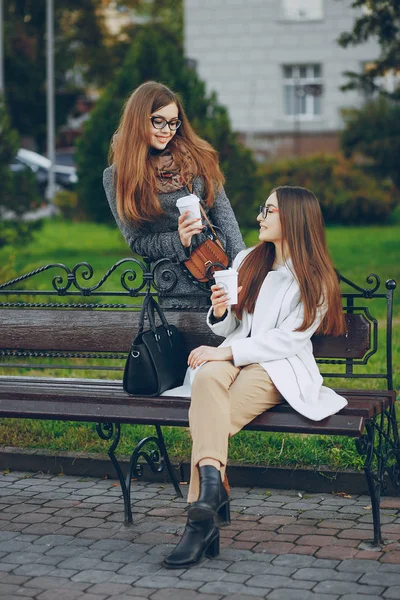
x: 65, y: 176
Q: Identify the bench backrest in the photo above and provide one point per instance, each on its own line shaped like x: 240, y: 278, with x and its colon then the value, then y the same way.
x: 94, y: 334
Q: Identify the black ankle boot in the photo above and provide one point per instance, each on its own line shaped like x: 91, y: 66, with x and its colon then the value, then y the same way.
x: 213, y: 502
x: 200, y: 538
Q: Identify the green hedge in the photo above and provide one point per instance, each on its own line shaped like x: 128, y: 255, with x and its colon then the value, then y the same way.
x: 347, y: 194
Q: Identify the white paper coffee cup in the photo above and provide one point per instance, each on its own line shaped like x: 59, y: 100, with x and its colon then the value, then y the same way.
x: 190, y: 203
x: 228, y: 279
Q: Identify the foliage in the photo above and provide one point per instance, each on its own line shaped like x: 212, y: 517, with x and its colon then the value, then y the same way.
x: 374, y: 132
x: 18, y: 190
x: 67, y: 203
x: 81, y: 56
x: 379, y: 19
x: 156, y: 55
x: 347, y: 195
x: 167, y: 13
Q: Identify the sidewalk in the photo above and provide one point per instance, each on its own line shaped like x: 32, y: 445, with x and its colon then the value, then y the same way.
x: 63, y: 538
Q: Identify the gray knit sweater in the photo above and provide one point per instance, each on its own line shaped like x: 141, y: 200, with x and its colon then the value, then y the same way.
x: 160, y: 238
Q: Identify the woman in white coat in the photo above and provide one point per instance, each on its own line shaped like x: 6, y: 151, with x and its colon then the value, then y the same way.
x: 288, y: 290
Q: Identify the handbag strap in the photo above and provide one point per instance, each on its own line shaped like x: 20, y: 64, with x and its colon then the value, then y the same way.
x: 143, y: 312
x: 189, y: 186
x: 154, y: 306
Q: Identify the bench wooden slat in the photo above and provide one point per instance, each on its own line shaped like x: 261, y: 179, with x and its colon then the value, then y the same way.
x: 98, y: 400
x: 174, y: 413
x: 112, y: 331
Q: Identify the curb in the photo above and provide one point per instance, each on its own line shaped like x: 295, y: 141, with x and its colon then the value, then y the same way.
x: 85, y: 464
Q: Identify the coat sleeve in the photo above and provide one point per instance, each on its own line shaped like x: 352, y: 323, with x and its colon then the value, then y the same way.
x: 281, y: 342
x: 222, y: 215
x: 154, y: 245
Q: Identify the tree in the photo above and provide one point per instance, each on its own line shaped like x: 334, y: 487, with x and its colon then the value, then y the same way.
x: 156, y: 55
x: 165, y: 13
x: 374, y: 132
x: 18, y: 190
x: 379, y: 19
x: 81, y: 57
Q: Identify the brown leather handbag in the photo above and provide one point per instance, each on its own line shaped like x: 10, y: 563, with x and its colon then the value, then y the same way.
x: 208, y: 257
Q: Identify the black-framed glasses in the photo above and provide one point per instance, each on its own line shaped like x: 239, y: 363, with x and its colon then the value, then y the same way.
x: 265, y: 210
x: 160, y: 123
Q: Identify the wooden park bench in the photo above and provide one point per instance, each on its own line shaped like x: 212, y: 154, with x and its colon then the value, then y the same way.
x: 72, y: 324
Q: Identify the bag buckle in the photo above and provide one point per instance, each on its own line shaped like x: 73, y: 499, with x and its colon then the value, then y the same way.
x: 135, y: 353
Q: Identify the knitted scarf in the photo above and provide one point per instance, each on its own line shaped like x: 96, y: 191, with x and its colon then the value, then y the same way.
x: 168, y: 175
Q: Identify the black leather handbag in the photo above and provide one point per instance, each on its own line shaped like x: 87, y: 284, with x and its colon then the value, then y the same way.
x: 157, y: 360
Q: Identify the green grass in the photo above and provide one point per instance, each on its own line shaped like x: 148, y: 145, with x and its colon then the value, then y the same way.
x: 356, y: 253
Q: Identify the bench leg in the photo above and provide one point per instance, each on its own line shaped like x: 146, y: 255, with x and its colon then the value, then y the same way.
x: 157, y: 459
x: 374, y: 483
x: 381, y: 448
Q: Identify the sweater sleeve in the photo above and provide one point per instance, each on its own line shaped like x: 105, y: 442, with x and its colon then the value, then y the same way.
x: 278, y: 343
x: 222, y: 215
x: 153, y: 245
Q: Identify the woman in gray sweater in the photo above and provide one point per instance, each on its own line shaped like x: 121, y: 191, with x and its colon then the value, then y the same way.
x: 157, y: 159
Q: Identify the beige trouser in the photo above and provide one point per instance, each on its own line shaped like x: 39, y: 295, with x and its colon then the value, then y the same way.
x: 224, y: 399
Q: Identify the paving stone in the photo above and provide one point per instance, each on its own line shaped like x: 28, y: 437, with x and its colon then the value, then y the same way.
x: 139, y: 569
x: 33, y: 569
x: 51, y: 583
x: 275, y: 581
x: 59, y: 595
x: 108, y: 589
x: 79, y: 563
x: 355, y: 597
x: 293, y: 560
x: 358, y: 566
x: 314, y: 574
x: 227, y: 589
x: 91, y: 576
x: 13, y: 546
x: 166, y: 581
x: 346, y: 587
x: 288, y: 594
x: 21, y: 558
x: 381, y: 578
x: 392, y: 592
x: 169, y: 593
x: 251, y: 567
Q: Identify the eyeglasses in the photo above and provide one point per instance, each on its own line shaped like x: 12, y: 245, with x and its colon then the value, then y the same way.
x: 160, y: 123
x: 265, y: 210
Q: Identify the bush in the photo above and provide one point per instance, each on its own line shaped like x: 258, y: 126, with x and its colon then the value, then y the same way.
x: 156, y: 55
x: 346, y: 193
x: 67, y: 203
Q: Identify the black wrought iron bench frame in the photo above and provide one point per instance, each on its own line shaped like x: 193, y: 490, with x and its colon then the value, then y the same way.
x: 36, y: 324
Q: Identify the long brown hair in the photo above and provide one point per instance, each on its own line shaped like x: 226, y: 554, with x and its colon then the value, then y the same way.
x: 304, y: 233
x: 135, y: 178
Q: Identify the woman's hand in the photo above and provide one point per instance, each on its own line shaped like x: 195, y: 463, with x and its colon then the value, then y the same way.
x: 187, y: 228
x: 207, y: 353
x: 220, y: 300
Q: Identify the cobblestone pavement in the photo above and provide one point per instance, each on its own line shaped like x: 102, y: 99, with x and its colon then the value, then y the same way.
x: 62, y: 538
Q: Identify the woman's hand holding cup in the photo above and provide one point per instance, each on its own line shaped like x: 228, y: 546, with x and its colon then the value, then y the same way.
x: 188, y: 227
x: 220, y: 300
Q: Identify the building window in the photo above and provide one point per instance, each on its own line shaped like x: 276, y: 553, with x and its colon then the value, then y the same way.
x: 302, y: 90
x: 302, y: 10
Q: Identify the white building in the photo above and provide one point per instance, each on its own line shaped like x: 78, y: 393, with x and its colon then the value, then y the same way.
x: 277, y: 67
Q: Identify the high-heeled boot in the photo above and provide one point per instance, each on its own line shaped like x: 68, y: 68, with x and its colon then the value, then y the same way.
x: 200, y: 538
x: 213, y: 501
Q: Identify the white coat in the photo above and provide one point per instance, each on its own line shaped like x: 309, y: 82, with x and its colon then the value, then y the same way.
x: 268, y: 337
